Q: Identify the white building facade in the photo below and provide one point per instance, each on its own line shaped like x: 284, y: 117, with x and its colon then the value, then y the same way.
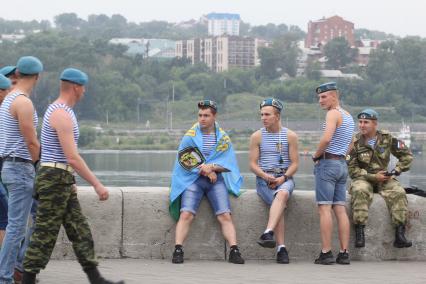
x: 223, y: 24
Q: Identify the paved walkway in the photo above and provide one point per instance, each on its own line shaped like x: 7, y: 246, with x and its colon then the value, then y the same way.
x: 202, y: 272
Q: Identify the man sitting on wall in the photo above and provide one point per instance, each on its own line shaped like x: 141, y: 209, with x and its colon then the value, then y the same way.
x: 205, y: 165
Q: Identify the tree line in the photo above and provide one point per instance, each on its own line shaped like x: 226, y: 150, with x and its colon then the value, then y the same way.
x: 119, y: 85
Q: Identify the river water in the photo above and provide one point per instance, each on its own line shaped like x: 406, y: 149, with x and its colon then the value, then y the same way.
x: 153, y: 168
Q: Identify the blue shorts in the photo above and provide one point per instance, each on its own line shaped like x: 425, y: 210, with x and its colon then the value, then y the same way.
x: 217, y: 194
x: 268, y: 194
x: 330, y: 181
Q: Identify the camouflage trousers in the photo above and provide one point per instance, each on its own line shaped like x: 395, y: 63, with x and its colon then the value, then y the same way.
x: 362, y: 192
x: 58, y: 205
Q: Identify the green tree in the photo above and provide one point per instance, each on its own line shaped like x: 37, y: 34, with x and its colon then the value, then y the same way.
x: 339, y: 53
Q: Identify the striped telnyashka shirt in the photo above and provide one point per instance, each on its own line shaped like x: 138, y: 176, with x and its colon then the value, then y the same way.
x: 12, y: 143
x: 372, y: 142
x: 51, y: 149
x: 273, y: 148
x: 209, y: 141
x: 342, y: 136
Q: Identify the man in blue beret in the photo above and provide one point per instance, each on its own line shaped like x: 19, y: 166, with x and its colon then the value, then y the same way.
x: 4, y: 89
x: 331, y: 173
x: 274, y: 159
x: 5, y: 85
x: 368, y: 164
x: 10, y: 73
x: 55, y: 185
x: 20, y: 150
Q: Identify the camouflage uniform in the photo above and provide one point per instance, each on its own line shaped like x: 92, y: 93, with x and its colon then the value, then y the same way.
x: 58, y: 205
x: 364, y: 163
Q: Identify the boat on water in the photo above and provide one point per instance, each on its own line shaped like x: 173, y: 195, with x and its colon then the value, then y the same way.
x: 405, y: 136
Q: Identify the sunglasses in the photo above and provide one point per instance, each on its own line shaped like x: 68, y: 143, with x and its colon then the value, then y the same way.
x: 272, y: 102
x: 207, y: 103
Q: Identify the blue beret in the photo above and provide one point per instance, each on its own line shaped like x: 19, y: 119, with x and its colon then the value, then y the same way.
x: 29, y: 65
x: 4, y: 82
x: 368, y: 114
x: 74, y: 76
x: 326, y: 87
x: 272, y: 102
x: 7, y: 70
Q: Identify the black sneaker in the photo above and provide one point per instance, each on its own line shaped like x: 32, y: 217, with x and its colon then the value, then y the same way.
x: 325, y: 258
x: 235, y: 256
x: 178, y: 255
x: 266, y: 240
x: 282, y: 256
x: 343, y: 258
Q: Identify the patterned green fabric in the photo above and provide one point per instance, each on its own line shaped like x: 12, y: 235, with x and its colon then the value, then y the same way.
x: 393, y: 193
x: 364, y: 163
x: 58, y: 205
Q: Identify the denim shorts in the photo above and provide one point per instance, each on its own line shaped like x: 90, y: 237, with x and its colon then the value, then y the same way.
x: 330, y: 181
x: 268, y: 194
x: 216, y: 193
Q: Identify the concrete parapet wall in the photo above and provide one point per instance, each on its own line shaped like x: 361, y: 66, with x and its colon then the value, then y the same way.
x: 135, y: 223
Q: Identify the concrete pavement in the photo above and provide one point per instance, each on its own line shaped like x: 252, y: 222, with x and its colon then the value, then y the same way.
x: 136, y: 271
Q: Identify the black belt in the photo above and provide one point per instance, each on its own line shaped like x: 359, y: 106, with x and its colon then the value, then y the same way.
x: 330, y: 156
x: 17, y: 159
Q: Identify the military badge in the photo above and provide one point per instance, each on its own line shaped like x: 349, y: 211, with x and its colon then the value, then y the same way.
x: 223, y: 143
x: 190, y: 158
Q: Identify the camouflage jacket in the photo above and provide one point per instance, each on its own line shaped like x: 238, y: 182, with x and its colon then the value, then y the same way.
x: 365, y: 162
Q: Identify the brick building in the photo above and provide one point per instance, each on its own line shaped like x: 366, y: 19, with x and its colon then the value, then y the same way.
x: 322, y: 31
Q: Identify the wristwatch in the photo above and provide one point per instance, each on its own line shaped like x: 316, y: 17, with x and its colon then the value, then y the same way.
x: 285, y: 177
x: 316, y: 159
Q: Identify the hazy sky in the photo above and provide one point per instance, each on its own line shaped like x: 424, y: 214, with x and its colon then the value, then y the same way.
x: 391, y: 16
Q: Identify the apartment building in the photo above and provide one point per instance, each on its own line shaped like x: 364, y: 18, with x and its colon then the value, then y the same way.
x: 223, y: 24
x: 220, y: 53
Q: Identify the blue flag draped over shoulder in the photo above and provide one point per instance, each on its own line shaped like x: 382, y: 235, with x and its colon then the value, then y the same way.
x: 186, y: 173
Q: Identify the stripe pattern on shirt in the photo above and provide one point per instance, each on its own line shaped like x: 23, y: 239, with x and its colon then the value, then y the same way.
x: 342, y: 136
x: 12, y: 142
x: 271, y: 152
x: 50, y: 145
x: 209, y: 141
x: 372, y: 142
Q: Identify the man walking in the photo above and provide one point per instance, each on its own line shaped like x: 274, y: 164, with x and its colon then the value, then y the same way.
x: 20, y: 151
x: 55, y: 185
x: 331, y: 173
x: 5, y: 85
x: 369, y: 160
x: 205, y: 165
x: 274, y: 160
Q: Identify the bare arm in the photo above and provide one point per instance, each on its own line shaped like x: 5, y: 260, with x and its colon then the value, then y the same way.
x: 331, y: 121
x: 61, y: 121
x: 23, y: 110
x: 293, y: 153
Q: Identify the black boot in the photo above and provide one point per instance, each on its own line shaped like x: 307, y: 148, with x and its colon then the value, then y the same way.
x: 28, y: 278
x: 400, y: 240
x: 96, y: 278
x: 359, y: 236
